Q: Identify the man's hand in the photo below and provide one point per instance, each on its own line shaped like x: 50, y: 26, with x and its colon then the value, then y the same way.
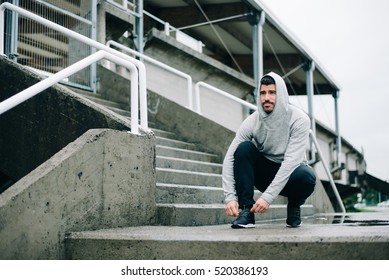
x: 232, y: 208
x: 260, y: 206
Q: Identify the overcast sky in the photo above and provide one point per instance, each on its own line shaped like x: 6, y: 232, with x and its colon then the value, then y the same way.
x: 350, y: 39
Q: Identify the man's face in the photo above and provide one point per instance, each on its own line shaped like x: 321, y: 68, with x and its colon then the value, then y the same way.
x: 267, y: 94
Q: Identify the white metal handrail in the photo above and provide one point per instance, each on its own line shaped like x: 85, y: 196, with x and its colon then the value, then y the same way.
x: 88, y: 41
x: 72, y: 69
x: 332, y: 183
x: 221, y: 92
x: 159, y: 64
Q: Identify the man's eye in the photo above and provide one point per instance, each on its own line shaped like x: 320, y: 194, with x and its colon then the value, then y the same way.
x: 269, y: 92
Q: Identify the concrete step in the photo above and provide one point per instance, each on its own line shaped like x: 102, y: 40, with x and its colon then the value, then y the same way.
x: 170, y: 142
x: 163, y: 133
x: 213, y: 214
x: 184, y: 177
x: 107, y: 103
x: 191, y: 214
x: 268, y: 241
x: 175, y: 194
x: 190, y: 165
x: 186, y: 154
x: 123, y: 112
x: 122, y: 109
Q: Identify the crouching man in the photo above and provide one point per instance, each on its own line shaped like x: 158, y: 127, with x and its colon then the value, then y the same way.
x: 269, y: 153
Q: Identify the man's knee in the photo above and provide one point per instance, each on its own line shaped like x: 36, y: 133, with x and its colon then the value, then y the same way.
x: 305, y: 177
x: 244, y: 149
x: 302, y: 181
x: 301, y: 185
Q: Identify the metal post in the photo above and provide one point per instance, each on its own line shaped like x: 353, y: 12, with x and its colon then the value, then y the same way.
x: 309, y: 68
x: 260, y: 45
x: 338, y: 137
x: 93, y: 74
x: 139, y: 26
x: 12, y: 52
x: 257, y: 20
x: 167, y: 28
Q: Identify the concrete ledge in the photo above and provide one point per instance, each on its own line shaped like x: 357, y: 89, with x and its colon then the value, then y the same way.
x: 189, y: 126
x: 266, y: 242
x: 105, y: 178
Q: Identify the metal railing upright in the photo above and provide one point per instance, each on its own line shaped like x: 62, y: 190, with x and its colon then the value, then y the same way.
x: 328, y: 172
x: 92, y: 43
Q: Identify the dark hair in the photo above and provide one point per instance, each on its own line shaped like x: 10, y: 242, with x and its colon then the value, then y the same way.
x: 267, y: 80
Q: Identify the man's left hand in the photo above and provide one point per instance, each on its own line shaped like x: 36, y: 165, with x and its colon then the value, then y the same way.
x: 261, y: 206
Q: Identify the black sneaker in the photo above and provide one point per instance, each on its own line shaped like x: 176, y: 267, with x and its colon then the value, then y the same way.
x: 246, y: 219
x: 294, y: 216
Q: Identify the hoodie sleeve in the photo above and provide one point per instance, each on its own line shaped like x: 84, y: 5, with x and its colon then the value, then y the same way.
x: 293, y: 157
x: 244, y: 133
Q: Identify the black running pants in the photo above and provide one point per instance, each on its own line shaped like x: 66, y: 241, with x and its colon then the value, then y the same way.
x: 251, y: 169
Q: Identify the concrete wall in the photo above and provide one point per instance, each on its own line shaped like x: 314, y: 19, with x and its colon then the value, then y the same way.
x: 35, y: 130
x: 189, y: 126
x: 320, y: 200
x: 199, y: 66
x: 104, y: 179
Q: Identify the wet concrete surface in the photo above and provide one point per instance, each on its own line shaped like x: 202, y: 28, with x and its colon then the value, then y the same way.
x: 363, y: 226
x: 369, y: 216
x: 353, y: 236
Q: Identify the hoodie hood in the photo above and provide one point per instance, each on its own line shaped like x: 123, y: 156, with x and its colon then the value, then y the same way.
x: 276, y: 125
x: 282, y: 102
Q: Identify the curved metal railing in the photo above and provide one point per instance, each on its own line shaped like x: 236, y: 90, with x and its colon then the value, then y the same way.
x: 92, y: 43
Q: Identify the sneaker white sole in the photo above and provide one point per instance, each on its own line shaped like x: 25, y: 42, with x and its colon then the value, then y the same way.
x: 289, y: 226
x: 243, y: 226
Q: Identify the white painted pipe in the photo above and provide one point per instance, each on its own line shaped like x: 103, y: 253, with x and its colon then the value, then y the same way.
x: 72, y: 69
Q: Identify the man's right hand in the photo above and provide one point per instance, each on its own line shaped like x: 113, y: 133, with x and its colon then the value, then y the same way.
x: 232, y: 208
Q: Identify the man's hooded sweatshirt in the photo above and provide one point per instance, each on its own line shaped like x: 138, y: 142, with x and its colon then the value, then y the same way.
x: 281, y: 136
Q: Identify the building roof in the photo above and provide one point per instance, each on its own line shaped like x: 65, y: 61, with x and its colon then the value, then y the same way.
x: 224, y: 29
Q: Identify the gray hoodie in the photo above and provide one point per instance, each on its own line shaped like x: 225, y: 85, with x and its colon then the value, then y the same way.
x: 281, y: 136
